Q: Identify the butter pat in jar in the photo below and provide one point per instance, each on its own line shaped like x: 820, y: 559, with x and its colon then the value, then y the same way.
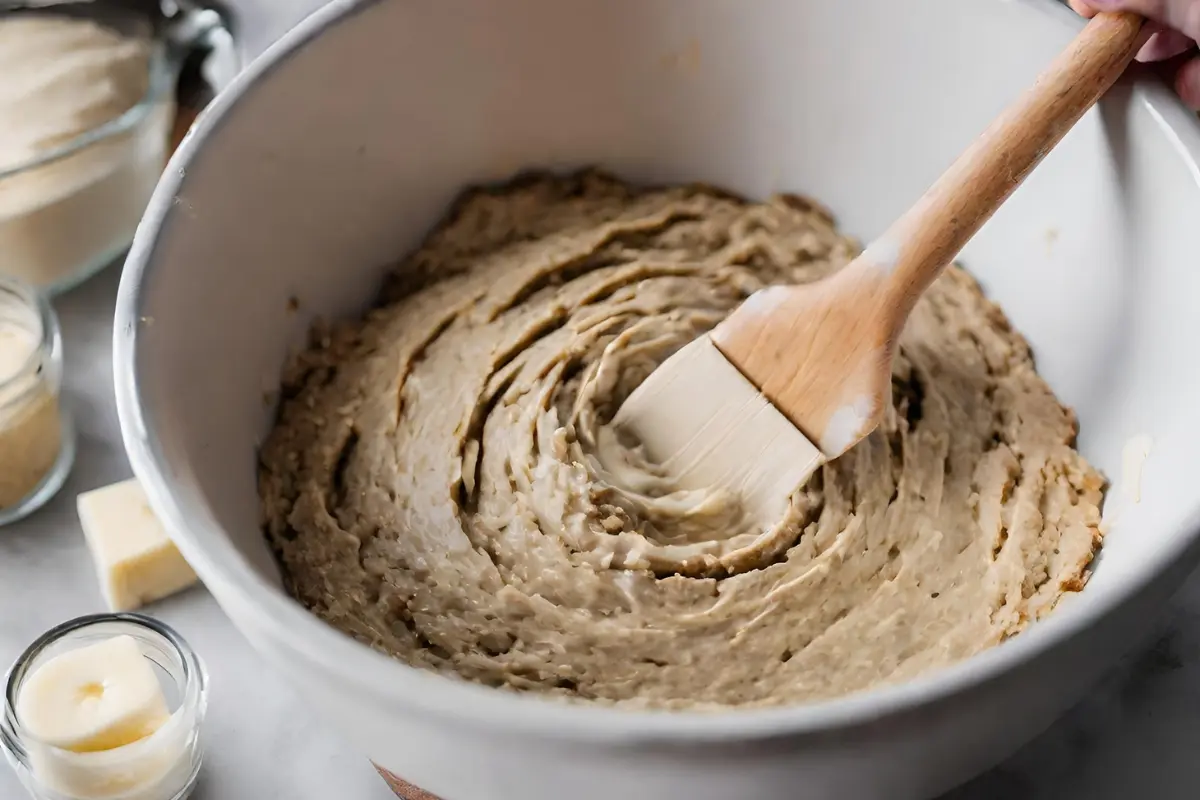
x: 106, y: 707
x: 37, y: 443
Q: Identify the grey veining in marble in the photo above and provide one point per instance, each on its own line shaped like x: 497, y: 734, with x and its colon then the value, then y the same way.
x: 1138, y: 734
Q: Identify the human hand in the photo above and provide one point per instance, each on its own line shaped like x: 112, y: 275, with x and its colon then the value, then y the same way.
x: 1172, y: 45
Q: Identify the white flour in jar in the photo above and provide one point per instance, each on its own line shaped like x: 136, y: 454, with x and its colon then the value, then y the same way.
x: 62, y: 77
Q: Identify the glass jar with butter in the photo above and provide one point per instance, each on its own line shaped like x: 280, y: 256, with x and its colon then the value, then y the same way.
x: 37, y: 442
x: 106, y: 706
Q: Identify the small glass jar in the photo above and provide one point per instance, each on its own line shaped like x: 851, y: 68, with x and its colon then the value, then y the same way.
x: 163, y: 766
x: 37, y: 439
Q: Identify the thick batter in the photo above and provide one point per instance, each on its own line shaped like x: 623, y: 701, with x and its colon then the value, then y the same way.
x: 432, y: 486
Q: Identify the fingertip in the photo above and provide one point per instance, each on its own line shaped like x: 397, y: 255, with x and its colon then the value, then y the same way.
x: 1164, y: 44
x: 1187, y: 83
x: 1082, y: 8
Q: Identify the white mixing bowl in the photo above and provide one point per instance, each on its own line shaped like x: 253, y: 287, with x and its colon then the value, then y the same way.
x: 340, y: 148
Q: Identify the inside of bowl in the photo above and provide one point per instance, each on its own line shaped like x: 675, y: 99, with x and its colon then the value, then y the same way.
x: 342, y: 156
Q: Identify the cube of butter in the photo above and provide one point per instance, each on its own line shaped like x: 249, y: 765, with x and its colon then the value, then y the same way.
x: 135, y: 561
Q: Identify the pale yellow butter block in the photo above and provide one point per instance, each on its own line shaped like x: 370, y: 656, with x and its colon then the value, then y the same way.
x: 135, y: 560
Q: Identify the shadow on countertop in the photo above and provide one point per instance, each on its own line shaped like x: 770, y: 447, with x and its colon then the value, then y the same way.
x: 1136, y: 735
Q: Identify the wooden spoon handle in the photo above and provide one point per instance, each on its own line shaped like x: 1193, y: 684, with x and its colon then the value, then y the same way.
x: 919, y: 245
x: 822, y: 352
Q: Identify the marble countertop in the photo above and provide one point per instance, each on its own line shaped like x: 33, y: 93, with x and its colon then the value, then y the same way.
x: 1138, y: 734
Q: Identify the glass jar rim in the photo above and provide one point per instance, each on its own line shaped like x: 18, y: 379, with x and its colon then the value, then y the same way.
x: 193, y: 689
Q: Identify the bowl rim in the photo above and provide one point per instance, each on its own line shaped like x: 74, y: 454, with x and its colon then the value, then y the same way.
x: 385, y: 682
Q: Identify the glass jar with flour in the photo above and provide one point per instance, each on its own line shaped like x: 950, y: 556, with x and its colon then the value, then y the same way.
x: 88, y: 106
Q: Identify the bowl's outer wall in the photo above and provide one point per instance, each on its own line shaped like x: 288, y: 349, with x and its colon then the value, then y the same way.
x: 904, y: 756
x: 323, y: 164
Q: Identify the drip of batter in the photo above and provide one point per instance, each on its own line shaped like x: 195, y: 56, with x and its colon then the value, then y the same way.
x: 434, y: 485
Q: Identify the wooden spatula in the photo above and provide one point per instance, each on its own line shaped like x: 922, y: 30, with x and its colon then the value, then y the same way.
x: 742, y: 407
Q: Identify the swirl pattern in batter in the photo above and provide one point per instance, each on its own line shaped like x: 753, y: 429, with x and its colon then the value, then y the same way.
x: 433, y: 486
